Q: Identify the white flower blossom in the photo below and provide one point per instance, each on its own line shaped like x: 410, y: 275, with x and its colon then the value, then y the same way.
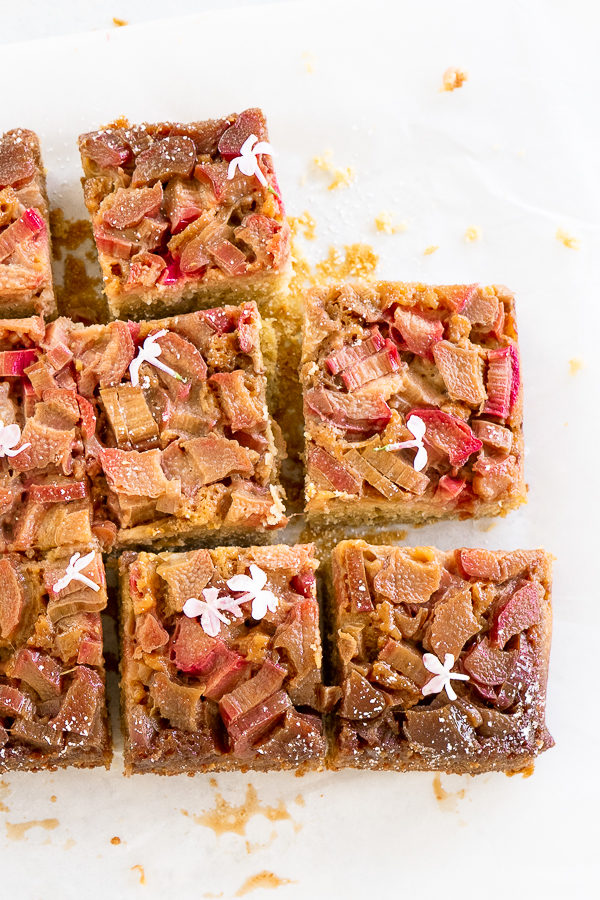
x: 253, y: 587
x: 149, y: 352
x: 443, y: 674
x: 10, y: 435
x: 74, y: 573
x: 211, y: 610
x: 247, y: 162
x: 416, y: 426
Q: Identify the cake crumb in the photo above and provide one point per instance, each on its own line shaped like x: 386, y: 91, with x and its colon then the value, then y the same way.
x: 309, y: 59
x: 527, y: 772
x: 305, y: 224
x: 567, y: 239
x: 453, y: 78
x: 140, y: 870
x: 264, y: 879
x: 119, y: 23
x: 431, y: 249
x: 341, y: 177
x: 385, y: 222
x: 358, y: 261
x: 53, y: 798
x: 68, y: 234
x: 575, y: 365
x: 473, y: 233
x: 115, y: 840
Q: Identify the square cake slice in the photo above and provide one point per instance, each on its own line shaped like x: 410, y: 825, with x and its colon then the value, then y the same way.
x: 52, y: 680
x: 185, y: 216
x: 412, y: 402
x: 179, y: 442
x: 45, y: 492
x: 25, y: 249
x: 441, y: 659
x: 221, y: 660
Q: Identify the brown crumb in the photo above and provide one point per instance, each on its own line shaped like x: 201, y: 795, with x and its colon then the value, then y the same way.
x: 53, y: 798
x: 385, y: 222
x: 263, y: 880
x: 68, y: 234
x: 80, y: 295
x: 304, y: 224
x: 119, y: 23
x: 142, y: 874
x: 431, y: 249
x: 473, y: 233
x: 575, y: 365
x: 453, y: 78
x: 115, y: 840
x: 341, y: 177
x: 567, y: 239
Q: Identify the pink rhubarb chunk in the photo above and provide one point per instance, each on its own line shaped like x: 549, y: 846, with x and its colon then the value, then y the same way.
x: 384, y: 362
x: 14, y: 362
x: 29, y: 225
x: 498, y: 383
x: 418, y: 332
x: 520, y: 611
x: 353, y: 353
x: 449, y: 434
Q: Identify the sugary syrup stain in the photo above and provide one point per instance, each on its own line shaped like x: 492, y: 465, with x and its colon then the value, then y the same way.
x: 17, y: 831
x: 263, y: 880
x: 227, y: 817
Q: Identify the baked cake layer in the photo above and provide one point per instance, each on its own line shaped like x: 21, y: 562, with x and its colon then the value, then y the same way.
x: 52, y: 679
x: 412, y: 402
x: 25, y: 249
x: 440, y: 659
x: 185, y: 215
x: 221, y: 660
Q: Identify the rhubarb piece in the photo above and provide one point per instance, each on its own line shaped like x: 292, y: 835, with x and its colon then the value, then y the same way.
x: 431, y: 670
x: 25, y: 251
x: 499, y: 383
x: 461, y: 369
x: 519, y: 611
x: 178, y: 223
x: 52, y: 697
x: 417, y: 333
x: 404, y: 387
x: 221, y: 660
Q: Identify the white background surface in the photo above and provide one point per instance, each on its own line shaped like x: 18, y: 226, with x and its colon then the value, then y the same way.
x: 515, y: 152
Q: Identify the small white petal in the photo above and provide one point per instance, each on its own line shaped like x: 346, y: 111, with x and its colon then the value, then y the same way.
x: 420, y: 460
x: 450, y: 690
x: 432, y: 664
x: 241, y: 583
x: 258, y: 576
x: 192, y: 607
x: 416, y: 426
